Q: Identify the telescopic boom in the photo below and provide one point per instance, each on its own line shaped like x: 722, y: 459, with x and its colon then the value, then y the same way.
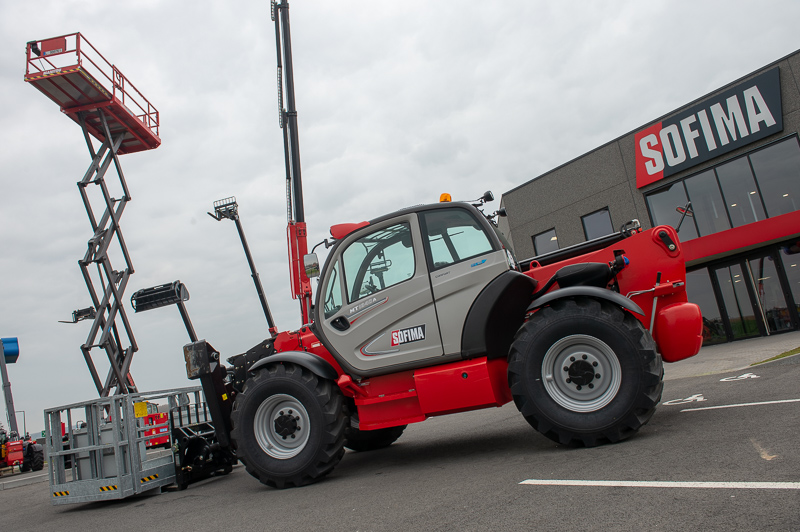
x: 296, y: 229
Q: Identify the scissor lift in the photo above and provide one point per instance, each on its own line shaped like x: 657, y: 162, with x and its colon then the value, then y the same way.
x: 107, y: 106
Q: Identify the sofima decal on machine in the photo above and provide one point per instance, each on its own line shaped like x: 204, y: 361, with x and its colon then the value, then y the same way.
x: 410, y: 334
x: 743, y: 114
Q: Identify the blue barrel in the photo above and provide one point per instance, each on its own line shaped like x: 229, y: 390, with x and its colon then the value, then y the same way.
x: 11, y: 349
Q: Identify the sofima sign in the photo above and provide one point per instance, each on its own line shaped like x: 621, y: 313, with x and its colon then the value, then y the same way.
x: 730, y: 120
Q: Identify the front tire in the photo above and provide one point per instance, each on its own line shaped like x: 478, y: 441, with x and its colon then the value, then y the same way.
x: 585, y: 372
x: 288, y: 426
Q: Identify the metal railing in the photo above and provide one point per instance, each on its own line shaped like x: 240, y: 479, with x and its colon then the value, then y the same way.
x: 78, y: 51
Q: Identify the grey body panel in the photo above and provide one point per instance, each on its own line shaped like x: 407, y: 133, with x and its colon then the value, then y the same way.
x: 455, y: 289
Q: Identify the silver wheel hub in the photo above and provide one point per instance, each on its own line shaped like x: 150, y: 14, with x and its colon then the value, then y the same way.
x: 581, y: 373
x: 281, y: 426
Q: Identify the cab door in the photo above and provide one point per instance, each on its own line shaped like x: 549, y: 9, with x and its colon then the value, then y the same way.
x: 465, y: 256
x: 376, y: 307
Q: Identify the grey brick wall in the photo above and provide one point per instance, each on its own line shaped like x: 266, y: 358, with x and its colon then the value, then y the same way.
x: 606, y: 177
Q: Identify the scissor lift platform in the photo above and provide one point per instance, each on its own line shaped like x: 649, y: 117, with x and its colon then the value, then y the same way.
x: 74, y: 75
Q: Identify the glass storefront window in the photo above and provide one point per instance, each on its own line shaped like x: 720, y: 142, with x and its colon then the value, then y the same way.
x: 545, y: 242
x: 770, y: 293
x: 790, y: 255
x: 663, y: 207
x: 708, y: 207
x: 597, y: 224
x: 700, y: 291
x: 741, y: 194
x: 777, y: 170
x: 738, y: 305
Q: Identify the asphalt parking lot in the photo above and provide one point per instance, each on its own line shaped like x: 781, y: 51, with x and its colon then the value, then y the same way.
x: 720, y: 453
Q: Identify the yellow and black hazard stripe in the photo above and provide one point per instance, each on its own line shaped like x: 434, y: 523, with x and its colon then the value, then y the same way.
x: 60, y: 493
x: 148, y: 479
x: 50, y: 73
x: 94, y: 82
x: 108, y: 488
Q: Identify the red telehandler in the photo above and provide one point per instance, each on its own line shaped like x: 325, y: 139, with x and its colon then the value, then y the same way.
x: 425, y: 312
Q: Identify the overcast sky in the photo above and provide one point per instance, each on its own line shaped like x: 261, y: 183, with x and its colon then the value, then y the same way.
x: 397, y: 102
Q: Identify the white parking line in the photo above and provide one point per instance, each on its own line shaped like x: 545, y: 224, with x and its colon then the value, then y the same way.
x: 666, y: 484
x: 740, y: 404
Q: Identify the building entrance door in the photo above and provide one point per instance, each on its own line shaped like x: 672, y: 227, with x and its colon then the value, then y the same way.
x: 755, y: 295
x: 770, y: 294
x: 738, y: 297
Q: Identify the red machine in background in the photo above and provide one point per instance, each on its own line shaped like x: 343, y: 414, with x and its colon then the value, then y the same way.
x: 14, y: 450
x: 11, y: 453
x: 160, y: 423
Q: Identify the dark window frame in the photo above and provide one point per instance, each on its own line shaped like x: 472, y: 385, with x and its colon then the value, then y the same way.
x: 533, y: 240
x: 426, y: 246
x: 610, y: 222
x: 713, y: 168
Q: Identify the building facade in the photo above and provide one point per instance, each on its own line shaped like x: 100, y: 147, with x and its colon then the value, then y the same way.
x: 724, y: 170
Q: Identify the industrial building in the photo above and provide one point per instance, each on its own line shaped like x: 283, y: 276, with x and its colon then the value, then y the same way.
x: 724, y: 170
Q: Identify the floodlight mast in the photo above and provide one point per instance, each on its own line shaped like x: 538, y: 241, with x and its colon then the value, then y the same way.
x: 228, y: 208
x: 296, y: 230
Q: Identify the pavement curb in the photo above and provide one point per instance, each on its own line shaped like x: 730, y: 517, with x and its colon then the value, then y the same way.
x: 27, y: 480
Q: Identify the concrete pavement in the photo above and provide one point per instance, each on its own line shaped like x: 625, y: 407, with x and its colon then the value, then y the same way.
x: 734, y: 356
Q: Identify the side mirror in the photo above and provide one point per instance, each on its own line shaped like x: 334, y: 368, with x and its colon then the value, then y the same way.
x: 311, y: 264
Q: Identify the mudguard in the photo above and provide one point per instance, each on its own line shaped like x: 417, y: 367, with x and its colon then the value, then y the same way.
x: 589, y: 291
x: 319, y: 367
x: 495, y: 316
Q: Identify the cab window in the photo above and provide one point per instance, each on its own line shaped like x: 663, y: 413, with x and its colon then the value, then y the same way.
x: 379, y: 260
x: 333, y: 293
x: 454, y: 235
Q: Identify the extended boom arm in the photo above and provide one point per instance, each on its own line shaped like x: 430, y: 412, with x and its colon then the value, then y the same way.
x: 296, y: 230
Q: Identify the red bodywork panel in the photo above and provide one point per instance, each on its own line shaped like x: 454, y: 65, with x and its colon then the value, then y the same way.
x: 339, y: 231
x: 414, y: 395
x: 12, y: 454
x: 411, y: 396
x: 297, y: 237
x: 678, y: 324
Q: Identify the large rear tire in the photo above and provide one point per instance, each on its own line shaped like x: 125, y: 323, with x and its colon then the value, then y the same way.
x: 370, y: 440
x: 288, y: 426
x: 37, y: 464
x: 585, y: 372
x: 26, y: 463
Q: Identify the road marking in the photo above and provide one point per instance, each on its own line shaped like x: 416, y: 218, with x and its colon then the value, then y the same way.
x: 740, y: 404
x: 694, y: 398
x: 740, y: 377
x: 666, y: 484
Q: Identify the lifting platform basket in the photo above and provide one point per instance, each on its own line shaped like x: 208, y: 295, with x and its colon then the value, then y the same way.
x: 74, y: 75
x: 97, y: 450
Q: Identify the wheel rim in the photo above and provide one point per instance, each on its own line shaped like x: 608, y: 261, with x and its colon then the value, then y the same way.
x: 281, y: 426
x: 581, y: 373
